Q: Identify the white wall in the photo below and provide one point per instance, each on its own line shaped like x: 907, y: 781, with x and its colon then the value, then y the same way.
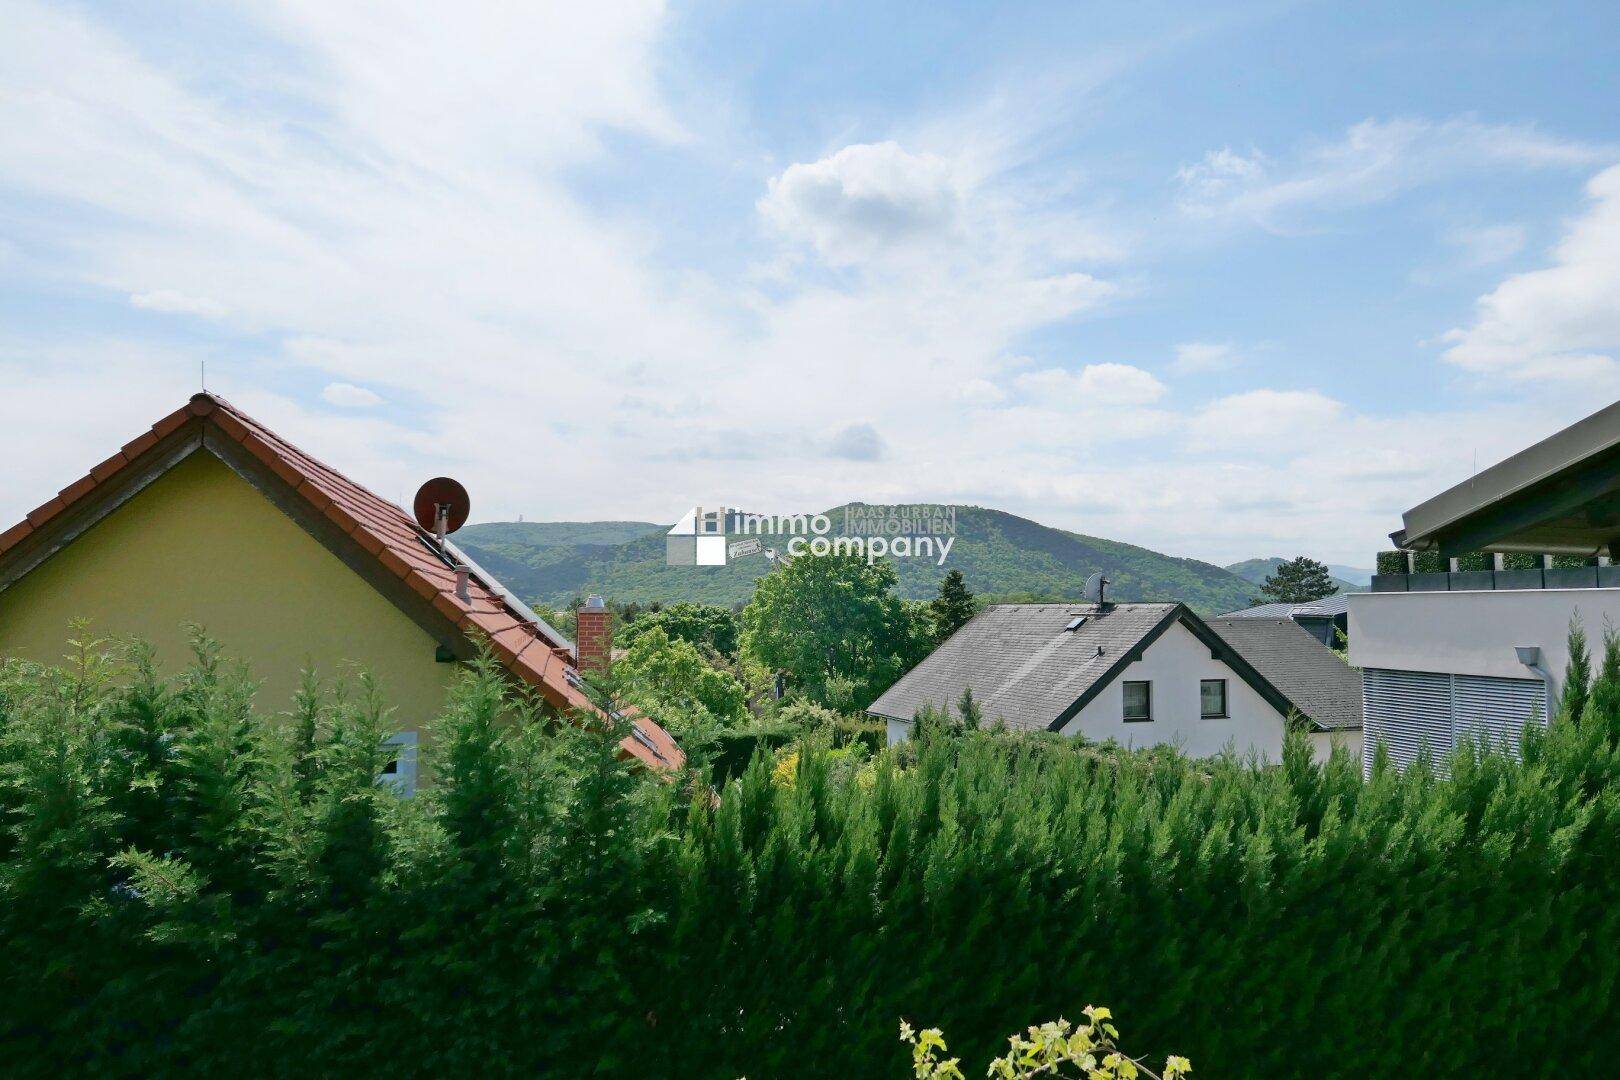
x: 1175, y: 664
x: 1474, y: 633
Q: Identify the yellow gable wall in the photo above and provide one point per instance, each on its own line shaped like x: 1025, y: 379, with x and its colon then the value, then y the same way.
x: 200, y: 545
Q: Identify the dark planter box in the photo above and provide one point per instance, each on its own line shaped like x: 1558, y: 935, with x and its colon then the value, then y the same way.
x: 1428, y: 582
x: 1389, y: 583
x: 1608, y: 577
x: 1573, y: 577
x: 1473, y: 580
x: 1519, y: 579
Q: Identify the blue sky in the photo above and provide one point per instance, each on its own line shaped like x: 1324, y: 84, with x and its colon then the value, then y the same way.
x: 1224, y: 283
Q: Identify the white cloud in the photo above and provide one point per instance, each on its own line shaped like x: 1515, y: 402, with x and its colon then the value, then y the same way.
x: 178, y: 303
x: 863, y: 199
x: 1195, y: 357
x: 1486, y: 245
x: 1095, y: 385
x: 1563, y: 320
x: 1374, y: 160
x: 349, y: 396
x: 1262, y: 418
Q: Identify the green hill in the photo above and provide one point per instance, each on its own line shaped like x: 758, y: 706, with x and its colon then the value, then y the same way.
x: 1001, y: 555
x: 1257, y: 570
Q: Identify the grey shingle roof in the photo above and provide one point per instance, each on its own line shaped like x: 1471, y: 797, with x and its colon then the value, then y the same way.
x: 1024, y: 668
x: 1322, y: 687
x: 1337, y: 604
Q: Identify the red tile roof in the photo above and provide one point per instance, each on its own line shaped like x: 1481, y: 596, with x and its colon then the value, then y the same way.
x: 389, y: 533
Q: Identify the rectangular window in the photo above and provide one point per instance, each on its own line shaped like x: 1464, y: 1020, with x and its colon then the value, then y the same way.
x: 400, y: 772
x: 1212, y: 699
x: 1138, y: 701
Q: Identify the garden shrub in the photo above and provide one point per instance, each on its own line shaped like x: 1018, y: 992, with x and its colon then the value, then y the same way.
x: 187, y: 890
x: 1521, y: 560
x: 1392, y: 562
x: 1573, y: 562
x: 1474, y: 561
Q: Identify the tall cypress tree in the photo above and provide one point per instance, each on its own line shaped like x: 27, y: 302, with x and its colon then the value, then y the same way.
x: 953, y: 607
x: 1578, y: 673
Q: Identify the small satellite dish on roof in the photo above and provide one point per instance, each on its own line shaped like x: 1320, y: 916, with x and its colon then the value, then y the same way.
x: 441, y: 506
x: 1094, y: 588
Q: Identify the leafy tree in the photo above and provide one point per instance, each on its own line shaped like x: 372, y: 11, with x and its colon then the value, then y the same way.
x: 1297, y: 581
x: 672, y: 681
x: 835, y: 626
x: 953, y: 607
x: 707, y: 626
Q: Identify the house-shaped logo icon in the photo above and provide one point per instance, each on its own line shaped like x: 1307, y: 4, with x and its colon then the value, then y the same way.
x: 698, y: 539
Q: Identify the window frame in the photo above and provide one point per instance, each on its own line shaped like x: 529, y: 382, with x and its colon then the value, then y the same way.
x: 1226, y: 700
x: 1124, y: 701
x: 403, y: 778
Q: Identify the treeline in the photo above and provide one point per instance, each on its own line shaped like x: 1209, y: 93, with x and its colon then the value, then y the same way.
x: 186, y: 889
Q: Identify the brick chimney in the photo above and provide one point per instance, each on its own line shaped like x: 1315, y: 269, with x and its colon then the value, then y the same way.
x: 594, y: 635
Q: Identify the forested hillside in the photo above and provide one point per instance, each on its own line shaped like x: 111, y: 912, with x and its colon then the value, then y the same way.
x: 1002, y: 555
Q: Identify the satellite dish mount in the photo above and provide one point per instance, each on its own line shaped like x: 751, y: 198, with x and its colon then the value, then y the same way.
x: 1095, y: 586
x: 441, y: 507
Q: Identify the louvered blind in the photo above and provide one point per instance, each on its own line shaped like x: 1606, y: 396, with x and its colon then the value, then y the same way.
x: 1497, y: 709
x: 1406, y: 710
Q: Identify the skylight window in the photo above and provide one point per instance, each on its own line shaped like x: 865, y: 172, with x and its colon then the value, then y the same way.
x: 1076, y: 622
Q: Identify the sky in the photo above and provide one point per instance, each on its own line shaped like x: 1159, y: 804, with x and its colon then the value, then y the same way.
x: 1225, y: 281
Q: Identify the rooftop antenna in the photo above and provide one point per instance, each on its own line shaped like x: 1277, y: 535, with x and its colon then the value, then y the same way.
x: 202, y: 375
x: 1095, y: 584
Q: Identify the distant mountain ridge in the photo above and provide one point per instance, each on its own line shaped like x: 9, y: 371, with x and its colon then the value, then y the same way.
x: 1002, y: 556
x: 1345, y: 578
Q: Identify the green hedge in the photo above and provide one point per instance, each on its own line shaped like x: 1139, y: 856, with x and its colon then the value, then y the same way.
x: 1392, y: 562
x: 1429, y: 562
x: 1474, y: 561
x: 1521, y: 560
x: 186, y: 893
x: 1573, y: 562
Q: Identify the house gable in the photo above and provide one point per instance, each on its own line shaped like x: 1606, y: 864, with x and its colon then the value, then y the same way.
x: 198, y: 544
x: 1175, y: 661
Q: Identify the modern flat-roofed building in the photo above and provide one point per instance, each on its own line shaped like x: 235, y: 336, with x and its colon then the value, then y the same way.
x: 1452, y: 653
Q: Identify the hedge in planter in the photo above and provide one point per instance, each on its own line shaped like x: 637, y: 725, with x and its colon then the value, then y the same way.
x: 1521, y: 560
x: 1429, y: 562
x: 1573, y: 562
x: 1392, y: 562
x: 1472, y: 562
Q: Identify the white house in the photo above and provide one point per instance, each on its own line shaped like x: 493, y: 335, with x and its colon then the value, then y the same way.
x: 1459, y: 654
x: 1140, y: 674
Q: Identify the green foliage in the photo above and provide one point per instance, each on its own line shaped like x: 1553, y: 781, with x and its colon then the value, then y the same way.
x: 1298, y: 581
x: 1475, y: 561
x: 1392, y: 562
x: 1429, y: 562
x: 671, y: 680
x: 1521, y: 560
x: 1055, y: 1049
x: 710, y: 628
x: 1578, y: 672
x: 185, y: 890
x: 1572, y: 562
x: 834, y: 625
x: 953, y: 607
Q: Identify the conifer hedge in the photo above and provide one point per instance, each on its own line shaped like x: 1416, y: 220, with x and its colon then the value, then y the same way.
x: 186, y: 889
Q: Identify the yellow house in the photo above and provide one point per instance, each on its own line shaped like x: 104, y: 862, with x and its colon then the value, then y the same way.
x: 209, y: 518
